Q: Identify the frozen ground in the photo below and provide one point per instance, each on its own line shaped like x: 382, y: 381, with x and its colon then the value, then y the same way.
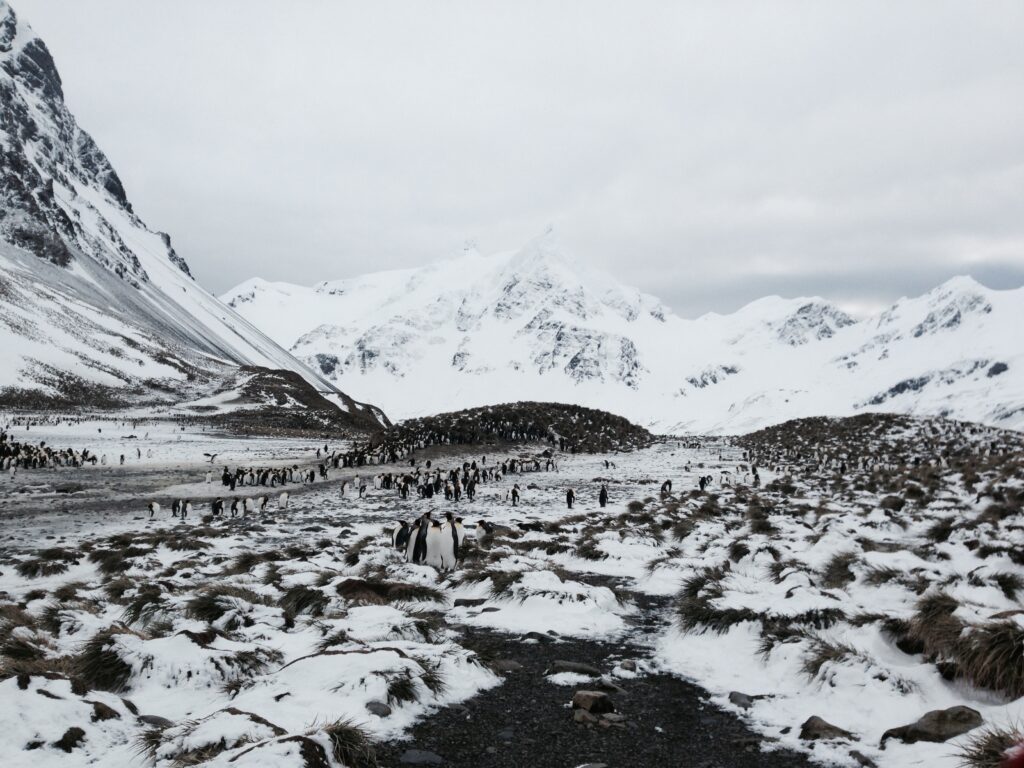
x: 257, y: 639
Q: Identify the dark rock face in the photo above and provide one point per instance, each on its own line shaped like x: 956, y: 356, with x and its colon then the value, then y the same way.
x: 938, y: 725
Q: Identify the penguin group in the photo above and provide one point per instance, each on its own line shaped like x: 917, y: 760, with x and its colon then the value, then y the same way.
x: 430, y: 542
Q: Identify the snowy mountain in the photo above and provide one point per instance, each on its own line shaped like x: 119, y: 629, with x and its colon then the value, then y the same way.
x: 537, y: 325
x: 94, y: 304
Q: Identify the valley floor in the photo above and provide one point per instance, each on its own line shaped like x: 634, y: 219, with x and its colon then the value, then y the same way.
x: 262, y: 640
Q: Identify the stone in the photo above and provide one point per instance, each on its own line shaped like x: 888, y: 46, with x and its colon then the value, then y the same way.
x: 539, y: 637
x: 420, y: 757
x: 559, y: 665
x: 938, y: 725
x: 613, y: 717
x: 814, y: 729
x: 156, y: 721
x: 629, y: 665
x: 863, y: 759
x: 101, y: 711
x: 469, y: 602
x: 608, y: 685
x: 595, y: 702
x: 72, y: 738
x: 378, y: 708
x: 741, y: 700
x: 506, y: 665
x: 490, y: 609
x: 583, y: 717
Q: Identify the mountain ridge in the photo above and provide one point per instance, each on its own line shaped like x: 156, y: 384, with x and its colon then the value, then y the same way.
x: 93, y: 303
x: 536, y: 324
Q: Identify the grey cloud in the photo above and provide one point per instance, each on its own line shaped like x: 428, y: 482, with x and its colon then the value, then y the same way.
x: 708, y: 152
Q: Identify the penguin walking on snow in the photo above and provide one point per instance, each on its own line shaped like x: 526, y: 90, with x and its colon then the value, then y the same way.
x: 175, y: 506
x: 263, y: 501
x: 248, y: 506
x: 282, y: 500
x: 186, y: 509
x: 234, y: 507
x: 570, y: 497
x: 153, y: 508
x: 217, y: 507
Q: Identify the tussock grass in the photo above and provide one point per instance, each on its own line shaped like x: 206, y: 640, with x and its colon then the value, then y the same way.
x: 302, y: 599
x: 147, y: 603
x: 213, y: 602
x: 987, y: 746
x: 695, y: 607
x: 838, y: 572
x: 99, y: 666
x: 357, y: 549
x: 379, y: 592
x: 350, y: 745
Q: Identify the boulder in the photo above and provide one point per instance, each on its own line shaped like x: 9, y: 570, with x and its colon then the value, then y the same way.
x: 595, y: 702
x: 101, y: 711
x: 378, y: 708
x: 938, y: 725
x: 741, y: 700
x: 629, y: 665
x: 72, y: 738
x: 815, y: 729
x: 506, y: 665
x: 583, y: 717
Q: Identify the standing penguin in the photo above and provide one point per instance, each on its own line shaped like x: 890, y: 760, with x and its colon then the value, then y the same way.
x: 439, y: 547
x: 453, y: 530
x: 419, y: 543
x: 234, y: 507
x: 247, y: 505
x: 175, y: 507
x: 400, y: 536
x: 282, y: 500
x: 570, y: 497
x: 602, y: 497
x: 186, y: 509
x: 217, y: 507
x: 263, y: 501
x: 153, y: 508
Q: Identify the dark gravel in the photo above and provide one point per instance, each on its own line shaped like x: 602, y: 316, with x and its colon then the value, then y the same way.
x: 527, y: 721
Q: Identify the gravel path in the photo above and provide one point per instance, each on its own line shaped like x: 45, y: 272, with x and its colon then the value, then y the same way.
x: 527, y: 721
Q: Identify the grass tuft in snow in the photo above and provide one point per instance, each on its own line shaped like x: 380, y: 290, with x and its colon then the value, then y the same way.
x: 987, y: 747
x: 350, y: 745
x: 98, y: 665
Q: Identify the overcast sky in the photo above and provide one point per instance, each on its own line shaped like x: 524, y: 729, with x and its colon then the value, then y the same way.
x: 709, y: 153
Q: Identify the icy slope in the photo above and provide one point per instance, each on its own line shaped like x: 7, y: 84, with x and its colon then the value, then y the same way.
x: 91, y: 298
x: 537, y: 325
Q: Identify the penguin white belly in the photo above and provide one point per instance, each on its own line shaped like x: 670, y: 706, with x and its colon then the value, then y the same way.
x: 414, y: 533
x: 282, y: 500
x: 435, y: 548
x: 448, y: 534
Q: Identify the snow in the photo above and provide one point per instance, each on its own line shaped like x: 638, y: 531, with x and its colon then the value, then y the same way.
x: 538, y: 325
x: 558, y: 592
